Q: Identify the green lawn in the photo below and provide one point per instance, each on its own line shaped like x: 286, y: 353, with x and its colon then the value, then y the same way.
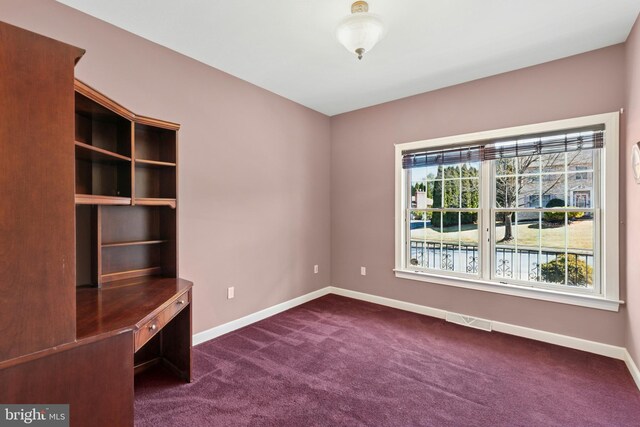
x: 579, y: 235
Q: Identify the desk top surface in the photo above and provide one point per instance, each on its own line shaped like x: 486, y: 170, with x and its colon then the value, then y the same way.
x: 113, y: 309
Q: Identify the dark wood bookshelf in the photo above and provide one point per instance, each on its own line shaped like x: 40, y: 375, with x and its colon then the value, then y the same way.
x: 127, y: 251
x: 103, y: 147
x: 126, y: 169
x: 155, y: 142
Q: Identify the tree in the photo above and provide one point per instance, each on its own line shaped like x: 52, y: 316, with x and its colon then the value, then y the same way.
x: 508, y: 186
x: 579, y: 272
x: 506, y: 189
x: 470, y: 193
x: 445, y: 197
x: 418, y: 186
x: 452, y: 197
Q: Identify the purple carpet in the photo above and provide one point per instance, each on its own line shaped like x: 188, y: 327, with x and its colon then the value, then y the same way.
x: 341, y: 362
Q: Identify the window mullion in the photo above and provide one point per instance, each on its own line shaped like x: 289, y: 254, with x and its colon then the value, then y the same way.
x: 407, y: 218
x: 515, y: 267
x: 459, y: 255
x: 540, y: 216
x: 486, y: 231
x: 597, y: 201
x: 567, y: 203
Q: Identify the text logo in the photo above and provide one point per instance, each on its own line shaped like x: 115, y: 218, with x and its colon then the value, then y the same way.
x: 34, y: 415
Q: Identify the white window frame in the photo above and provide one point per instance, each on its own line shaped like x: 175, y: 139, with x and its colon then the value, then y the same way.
x: 607, y: 261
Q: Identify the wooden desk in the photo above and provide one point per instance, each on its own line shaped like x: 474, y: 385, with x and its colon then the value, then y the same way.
x: 60, y: 343
x: 156, y: 309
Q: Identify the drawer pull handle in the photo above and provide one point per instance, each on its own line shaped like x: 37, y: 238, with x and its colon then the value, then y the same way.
x: 153, y: 327
x: 180, y: 302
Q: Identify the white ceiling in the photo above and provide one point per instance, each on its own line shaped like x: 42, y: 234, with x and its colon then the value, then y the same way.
x: 289, y: 46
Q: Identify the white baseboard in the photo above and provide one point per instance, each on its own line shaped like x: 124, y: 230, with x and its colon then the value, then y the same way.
x: 608, y: 350
x: 534, y: 334
x: 388, y: 302
x: 633, y: 368
x: 214, y: 332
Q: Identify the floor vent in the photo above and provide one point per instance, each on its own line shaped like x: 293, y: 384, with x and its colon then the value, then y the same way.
x: 472, y: 322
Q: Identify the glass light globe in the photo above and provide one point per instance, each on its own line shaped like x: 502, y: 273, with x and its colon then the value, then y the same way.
x: 360, y: 32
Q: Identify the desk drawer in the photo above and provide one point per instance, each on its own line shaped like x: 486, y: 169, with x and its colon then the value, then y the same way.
x: 176, y: 306
x: 153, y: 326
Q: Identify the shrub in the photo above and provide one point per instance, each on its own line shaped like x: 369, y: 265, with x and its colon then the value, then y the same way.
x: 579, y: 272
x: 558, y: 217
x: 421, y: 216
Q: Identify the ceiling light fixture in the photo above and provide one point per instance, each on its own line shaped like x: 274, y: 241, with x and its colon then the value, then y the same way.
x: 360, y: 31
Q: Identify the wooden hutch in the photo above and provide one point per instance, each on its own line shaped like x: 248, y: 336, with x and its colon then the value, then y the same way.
x: 89, y: 255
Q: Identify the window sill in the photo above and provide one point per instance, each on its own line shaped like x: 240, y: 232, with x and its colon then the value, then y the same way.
x: 499, y: 288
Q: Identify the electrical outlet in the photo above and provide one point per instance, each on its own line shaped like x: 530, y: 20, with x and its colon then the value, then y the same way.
x: 231, y: 292
x: 315, y: 269
x: 363, y: 271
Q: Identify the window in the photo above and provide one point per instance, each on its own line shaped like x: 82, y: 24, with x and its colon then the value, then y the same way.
x: 551, y: 244
x: 443, y: 229
x: 581, y: 175
x: 529, y: 211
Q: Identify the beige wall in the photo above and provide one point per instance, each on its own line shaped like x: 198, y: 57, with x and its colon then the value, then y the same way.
x: 362, y: 180
x: 254, y: 167
x: 632, y: 119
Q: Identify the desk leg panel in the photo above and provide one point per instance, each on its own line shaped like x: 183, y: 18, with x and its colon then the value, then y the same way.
x: 176, y: 344
x: 95, y: 379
